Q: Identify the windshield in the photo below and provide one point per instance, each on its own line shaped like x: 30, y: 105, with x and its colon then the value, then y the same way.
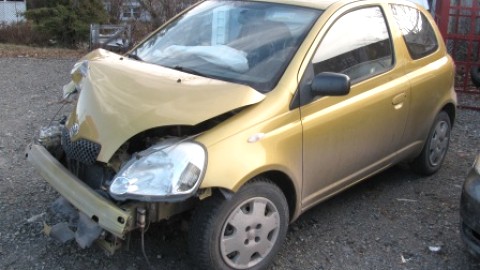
x: 243, y: 42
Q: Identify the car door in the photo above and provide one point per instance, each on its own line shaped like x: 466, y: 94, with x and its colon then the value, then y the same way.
x: 347, y: 138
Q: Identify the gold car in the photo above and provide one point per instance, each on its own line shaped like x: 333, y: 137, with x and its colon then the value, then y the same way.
x: 240, y: 115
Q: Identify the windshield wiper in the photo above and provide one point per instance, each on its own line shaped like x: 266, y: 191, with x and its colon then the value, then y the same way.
x: 134, y: 56
x: 191, y: 71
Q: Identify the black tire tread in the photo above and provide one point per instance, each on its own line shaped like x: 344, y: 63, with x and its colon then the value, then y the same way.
x: 203, y: 219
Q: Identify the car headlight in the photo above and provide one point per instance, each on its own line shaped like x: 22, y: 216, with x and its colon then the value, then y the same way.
x: 164, y: 172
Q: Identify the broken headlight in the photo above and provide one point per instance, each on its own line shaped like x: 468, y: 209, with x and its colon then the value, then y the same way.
x: 161, y: 173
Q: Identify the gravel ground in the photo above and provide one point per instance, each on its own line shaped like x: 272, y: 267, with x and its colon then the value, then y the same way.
x: 395, y: 220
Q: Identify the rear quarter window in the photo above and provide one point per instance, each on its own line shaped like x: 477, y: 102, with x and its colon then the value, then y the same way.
x: 417, y: 31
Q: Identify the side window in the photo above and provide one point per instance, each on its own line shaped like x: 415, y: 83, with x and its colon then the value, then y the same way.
x: 358, y: 44
x: 416, y: 30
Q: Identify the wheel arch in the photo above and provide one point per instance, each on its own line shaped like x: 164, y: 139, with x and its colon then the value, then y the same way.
x: 424, y: 164
x: 287, y: 187
x: 450, y: 109
x: 278, y: 178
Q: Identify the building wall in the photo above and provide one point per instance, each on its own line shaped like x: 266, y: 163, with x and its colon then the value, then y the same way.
x: 129, y: 10
x: 132, y: 10
x: 11, y: 11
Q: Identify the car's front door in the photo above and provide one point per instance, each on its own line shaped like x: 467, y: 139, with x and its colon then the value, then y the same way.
x: 349, y: 137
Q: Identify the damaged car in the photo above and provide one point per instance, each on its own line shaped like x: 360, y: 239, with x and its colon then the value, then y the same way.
x: 238, y: 116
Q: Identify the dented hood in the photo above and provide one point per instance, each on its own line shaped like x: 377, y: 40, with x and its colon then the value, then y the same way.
x: 121, y: 97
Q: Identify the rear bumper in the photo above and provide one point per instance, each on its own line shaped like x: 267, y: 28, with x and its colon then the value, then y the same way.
x: 108, y: 215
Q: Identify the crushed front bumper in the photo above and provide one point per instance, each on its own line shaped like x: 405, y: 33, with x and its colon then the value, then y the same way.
x: 108, y: 215
x: 470, y: 210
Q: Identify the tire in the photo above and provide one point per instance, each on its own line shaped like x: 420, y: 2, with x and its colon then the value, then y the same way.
x: 433, y: 153
x: 242, y: 232
x: 475, y: 74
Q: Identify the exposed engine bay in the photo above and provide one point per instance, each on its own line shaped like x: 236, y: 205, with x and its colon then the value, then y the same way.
x: 79, y: 157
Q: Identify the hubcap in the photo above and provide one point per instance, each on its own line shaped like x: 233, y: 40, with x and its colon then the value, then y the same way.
x: 249, y: 233
x: 439, y: 143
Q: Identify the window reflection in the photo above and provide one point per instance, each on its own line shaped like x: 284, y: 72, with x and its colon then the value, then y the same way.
x: 358, y: 45
x: 416, y: 30
x: 239, y: 41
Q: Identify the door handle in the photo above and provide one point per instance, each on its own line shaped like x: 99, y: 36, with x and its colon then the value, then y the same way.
x: 398, y: 100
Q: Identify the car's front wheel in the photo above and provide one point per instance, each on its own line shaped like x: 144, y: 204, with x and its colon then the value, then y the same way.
x: 433, y: 153
x: 241, y: 232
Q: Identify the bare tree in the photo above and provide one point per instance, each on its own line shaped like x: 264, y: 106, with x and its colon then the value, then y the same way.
x: 162, y: 10
x: 114, y: 10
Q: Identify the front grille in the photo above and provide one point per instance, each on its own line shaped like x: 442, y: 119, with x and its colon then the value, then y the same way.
x: 81, y: 150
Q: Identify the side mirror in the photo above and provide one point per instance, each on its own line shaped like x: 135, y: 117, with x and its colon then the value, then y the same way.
x: 330, y: 84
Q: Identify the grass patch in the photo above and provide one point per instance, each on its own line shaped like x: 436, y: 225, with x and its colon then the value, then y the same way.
x: 9, y: 50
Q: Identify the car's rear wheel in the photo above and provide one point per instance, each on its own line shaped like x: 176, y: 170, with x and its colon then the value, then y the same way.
x: 433, y: 153
x: 242, y: 232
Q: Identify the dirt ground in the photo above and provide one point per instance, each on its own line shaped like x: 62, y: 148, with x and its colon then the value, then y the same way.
x: 395, y: 220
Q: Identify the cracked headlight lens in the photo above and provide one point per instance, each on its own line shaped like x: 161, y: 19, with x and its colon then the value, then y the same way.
x: 161, y: 173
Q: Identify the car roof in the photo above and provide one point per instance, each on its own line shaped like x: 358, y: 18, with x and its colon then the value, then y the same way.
x: 323, y: 4
x: 317, y: 4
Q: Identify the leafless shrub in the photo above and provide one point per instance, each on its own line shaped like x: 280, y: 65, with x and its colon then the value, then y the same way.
x: 21, y: 33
